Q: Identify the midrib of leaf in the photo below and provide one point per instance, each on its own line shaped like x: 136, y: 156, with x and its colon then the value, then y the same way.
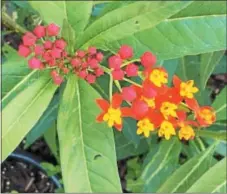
x: 18, y: 85
x: 205, y: 72
x: 194, y: 168
x: 81, y: 131
x: 122, y: 22
x: 25, y: 110
x: 160, y: 166
x: 217, y: 188
x: 221, y: 108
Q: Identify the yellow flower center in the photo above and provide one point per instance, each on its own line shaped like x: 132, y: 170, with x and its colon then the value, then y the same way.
x: 113, y: 116
x: 145, y: 126
x: 158, y: 77
x: 207, y: 115
x: 166, y: 130
x: 150, y: 101
x: 186, y: 132
x: 187, y: 89
x: 168, y: 109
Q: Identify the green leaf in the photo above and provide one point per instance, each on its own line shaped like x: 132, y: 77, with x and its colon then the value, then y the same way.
x: 181, y: 36
x: 218, y: 135
x: 50, y: 168
x: 221, y: 67
x: 68, y: 34
x: 86, y: 147
x: 162, y: 165
x: 185, y: 176
x: 45, y: 122
x: 207, y: 65
x: 213, y: 181
x: 126, y: 148
x: 50, y: 137
x: 201, y: 8
x: 128, y: 20
x: 220, y: 105
x: 22, y: 113
x: 76, y: 13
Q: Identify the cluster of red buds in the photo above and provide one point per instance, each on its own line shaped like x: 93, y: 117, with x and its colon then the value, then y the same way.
x: 46, y: 50
x: 155, y: 106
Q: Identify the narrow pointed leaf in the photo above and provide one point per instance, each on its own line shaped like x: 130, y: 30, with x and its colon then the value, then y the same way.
x: 22, y: 113
x: 87, y: 150
x: 213, y: 181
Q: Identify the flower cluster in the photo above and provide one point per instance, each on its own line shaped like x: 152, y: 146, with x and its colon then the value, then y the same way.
x: 46, y: 50
x: 156, y: 107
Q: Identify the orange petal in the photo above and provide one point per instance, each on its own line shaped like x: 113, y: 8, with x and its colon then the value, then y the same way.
x: 99, y: 118
x: 103, y: 104
x: 193, y: 123
x: 118, y: 127
x: 126, y: 112
x: 192, y: 104
x: 176, y: 81
x: 181, y: 115
x: 116, y: 100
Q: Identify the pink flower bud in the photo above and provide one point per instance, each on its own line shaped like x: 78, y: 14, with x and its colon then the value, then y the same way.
x: 54, y: 73
x: 92, y: 50
x: 80, y: 53
x: 56, y: 53
x: 99, y: 56
x: 47, y: 56
x: 52, y: 30
x: 58, y: 80
x: 35, y: 63
x: 90, y: 78
x: 83, y: 74
x: 29, y: 39
x: 39, y: 31
x: 125, y: 52
x: 128, y: 94
x: 48, y: 44
x: 93, y: 63
x: 118, y: 74
x: 24, y: 51
x: 148, y: 59
x: 61, y: 44
x: 75, y: 62
x: 115, y: 62
x: 131, y: 70
x: 99, y: 71
x: 39, y: 50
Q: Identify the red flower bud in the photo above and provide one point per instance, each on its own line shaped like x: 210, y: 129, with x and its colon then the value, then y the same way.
x: 52, y: 30
x: 148, y: 59
x: 99, y: 71
x: 60, y: 44
x: 80, y: 53
x: 56, y: 53
x: 29, y: 39
x: 82, y: 74
x: 48, y: 44
x: 99, y: 56
x: 125, y: 52
x: 35, y: 63
x: 38, y: 50
x: 84, y: 65
x: 118, y: 74
x: 131, y: 70
x: 47, y: 56
x: 90, y: 78
x: 128, y: 94
x: 52, y: 62
x: 93, y: 63
x: 58, y: 80
x: 54, y: 73
x: 75, y: 62
x: 39, y: 31
x: 92, y: 50
x: 24, y: 51
x: 65, y: 70
x: 115, y: 62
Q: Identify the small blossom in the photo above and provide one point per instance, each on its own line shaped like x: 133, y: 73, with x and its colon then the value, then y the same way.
x: 145, y: 127
x: 99, y: 71
x: 52, y: 30
x: 56, y: 53
x: 118, y: 74
x: 186, y: 132
x: 29, y: 39
x: 83, y: 74
x: 58, y: 80
x: 93, y: 63
x: 35, y: 63
x: 148, y: 60
x: 125, y: 52
x: 115, y: 62
x: 158, y: 77
x: 99, y: 56
x: 90, y: 78
x: 166, y: 130
x: 39, y: 50
x: 24, y: 51
x: 128, y: 93
x: 92, y: 50
x: 131, y: 70
x: 39, y: 31
x: 75, y: 62
x: 80, y: 53
x: 139, y: 109
x: 60, y: 44
x: 48, y: 44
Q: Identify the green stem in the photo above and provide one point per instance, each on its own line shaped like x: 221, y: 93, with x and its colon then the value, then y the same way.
x: 132, y: 82
x: 118, y: 85
x: 128, y: 62
x: 111, y: 88
x: 7, y: 20
x: 201, y: 145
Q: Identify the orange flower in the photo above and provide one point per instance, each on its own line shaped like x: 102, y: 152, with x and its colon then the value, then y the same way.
x: 205, y: 115
x: 112, y: 112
